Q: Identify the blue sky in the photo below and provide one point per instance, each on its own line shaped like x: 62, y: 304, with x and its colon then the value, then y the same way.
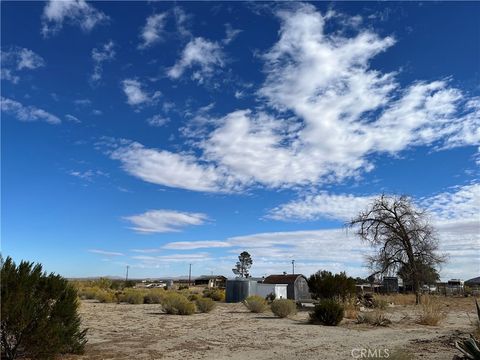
x: 156, y: 135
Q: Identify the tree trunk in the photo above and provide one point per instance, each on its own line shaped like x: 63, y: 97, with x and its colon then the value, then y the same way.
x: 416, y: 289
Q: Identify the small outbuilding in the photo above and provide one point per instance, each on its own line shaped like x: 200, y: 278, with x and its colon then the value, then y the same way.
x: 212, y: 281
x: 297, y: 286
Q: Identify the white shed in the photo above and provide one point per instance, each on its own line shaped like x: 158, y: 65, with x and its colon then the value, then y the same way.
x: 280, y: 290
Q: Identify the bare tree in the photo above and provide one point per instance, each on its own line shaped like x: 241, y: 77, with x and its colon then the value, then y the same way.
x: 243, y: 265
x: 401, y: 237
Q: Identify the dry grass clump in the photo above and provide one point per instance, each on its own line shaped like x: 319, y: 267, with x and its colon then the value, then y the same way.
x: 153, y: 296
x: 214, y: 294
x: 283, y: 307
x: 177, y: 304
x: 431, y: 313
x: 87, y: 293
x: 105, y: 296
x: 132, y: 296
x: 351, y: 310
x: 255, y: 304
x: 375, y: 318
x: 399, y: 299
x: 205, y: 305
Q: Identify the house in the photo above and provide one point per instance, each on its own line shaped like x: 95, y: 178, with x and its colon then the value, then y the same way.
x: 390, y: 284
x: 297, y: 286
x: 212, y: 281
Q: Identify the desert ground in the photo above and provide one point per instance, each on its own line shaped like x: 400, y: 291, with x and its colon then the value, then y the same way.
x: 123, y: 331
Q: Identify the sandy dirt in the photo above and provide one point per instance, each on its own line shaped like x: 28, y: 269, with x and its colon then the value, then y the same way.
x: 122, y: 331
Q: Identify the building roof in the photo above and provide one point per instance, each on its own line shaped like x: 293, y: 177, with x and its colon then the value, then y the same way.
x: 282, y: 279
x: 474, y: 281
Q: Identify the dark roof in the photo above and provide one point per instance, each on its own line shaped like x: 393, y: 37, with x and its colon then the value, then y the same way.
x: 282, y: 279
x: 474, y: 281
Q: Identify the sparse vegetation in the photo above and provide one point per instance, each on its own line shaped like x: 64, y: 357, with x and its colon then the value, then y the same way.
x: 431, y: 313
x: 328, y: 312
x: 132, y: 296
x: 351, y: 310
x: 375, y: 318
x: 177, y: 304
x: 39, y: 317
x: 255, y: 304
x: 283, y: 307
x: 153, y: 296
x: 205, y: 305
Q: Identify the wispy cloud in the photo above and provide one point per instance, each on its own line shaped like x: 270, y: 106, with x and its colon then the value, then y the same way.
x: 159, y: 221
x: 203, y: 55
x: 157, y: 120
x: 153, y: 30
x: 190, y: 245
x: 72, y: 12
x: 106, y: 253
x: 27, y: 113
x: 16, y: 59
x: 100, y: 55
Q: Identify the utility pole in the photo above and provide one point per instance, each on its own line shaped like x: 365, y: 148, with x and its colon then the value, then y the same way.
x: 293, y: 267
x: 126, y: 275
x: 190, y: 275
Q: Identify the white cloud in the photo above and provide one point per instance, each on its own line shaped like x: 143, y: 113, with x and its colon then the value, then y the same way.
x: 191, y: 245
x: 171, y: 169
x: 157, y: 120
x: 202, y: 54
x: 181, y: 21
x: 106, y: 253
x: 73, y: 12
x: 135, y: 93
x: 332, y: 112
x: 87, y: 175
x: 27, y: 113
x: 16, y: 59
x: 153, y: 29
x: 158, y: 221
x: 72, y: 118
x: 100, y: 55
x: 331, y: 206
x: 230, y: 34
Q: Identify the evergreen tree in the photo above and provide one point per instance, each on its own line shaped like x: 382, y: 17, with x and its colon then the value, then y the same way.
x: 243, y: 264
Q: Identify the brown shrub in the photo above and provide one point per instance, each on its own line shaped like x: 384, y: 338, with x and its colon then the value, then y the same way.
x: 375, y: 318
x: 255, y: 304
x: 283, y: 307
x: 205, y: 305
x: 431, y: 313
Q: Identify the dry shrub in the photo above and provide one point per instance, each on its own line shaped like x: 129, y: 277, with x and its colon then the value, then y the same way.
x: 255, y: 304
x: 177, y: 304
x: 153, y: 296
x: 105, y: 296
x: 214, y: 294
x: 88, y: 293
x: 283, y: 307
x: 375, y: 318
x: 400, y: 299
x: 205, y: 305
x: 431, y: 313
x: 380, y: 303
x: 132, y: 296
x: 351, y: 310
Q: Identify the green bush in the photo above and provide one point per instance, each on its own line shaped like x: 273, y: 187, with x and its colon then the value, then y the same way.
x: 327, y: 312
x: 325, y: 285
x: 177, y: 304
x: 153, y: 296
x: 214, y: 294
x: 205, y: 305
x: 255, y: 304
x: 105, y: 296
x: 283, y: 307
x: 133, y: 296
x: 39, y: 318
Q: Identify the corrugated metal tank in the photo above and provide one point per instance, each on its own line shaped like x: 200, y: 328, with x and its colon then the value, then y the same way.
x: 238, y: 290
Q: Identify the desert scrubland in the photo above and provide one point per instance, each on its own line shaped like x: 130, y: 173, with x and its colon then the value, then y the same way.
x: 230, y: 331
